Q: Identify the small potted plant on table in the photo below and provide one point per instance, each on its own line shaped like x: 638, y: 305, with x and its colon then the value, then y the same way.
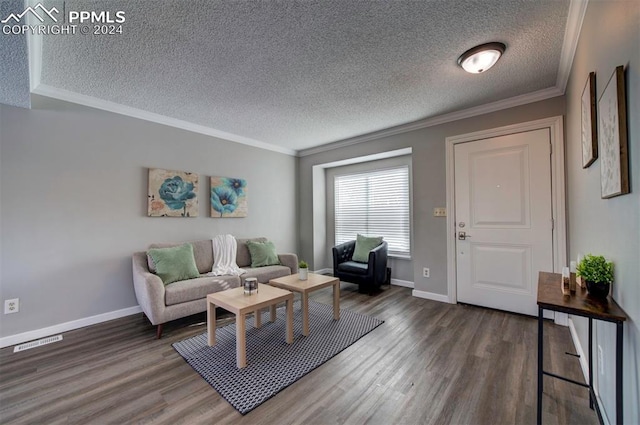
x: 597, y: 272
x: 303, y: 270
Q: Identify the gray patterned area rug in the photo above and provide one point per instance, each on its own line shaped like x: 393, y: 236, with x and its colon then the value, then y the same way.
x: 272, y: 364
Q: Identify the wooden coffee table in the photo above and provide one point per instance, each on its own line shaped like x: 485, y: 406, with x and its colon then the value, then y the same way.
x: 304, y: 287
x: 235, y: 301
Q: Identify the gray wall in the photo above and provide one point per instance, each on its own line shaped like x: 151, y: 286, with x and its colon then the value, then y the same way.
x: 74, y: 208
x: 429, y: 191
x: 610, y: 37
x: 401, y: 268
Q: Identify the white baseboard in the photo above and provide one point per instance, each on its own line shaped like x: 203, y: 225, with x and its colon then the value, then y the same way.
x: 430, y: 296
x: 403, y: 283
x: 10, y: 340
x: 323, y: 271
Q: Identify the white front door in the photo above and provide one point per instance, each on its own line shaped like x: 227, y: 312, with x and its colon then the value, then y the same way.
x: 503, y: 219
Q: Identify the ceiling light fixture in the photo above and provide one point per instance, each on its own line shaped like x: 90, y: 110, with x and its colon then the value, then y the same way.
x: 480, y: 58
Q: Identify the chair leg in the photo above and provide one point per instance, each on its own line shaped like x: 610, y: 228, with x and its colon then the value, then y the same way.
x: 159, y: 331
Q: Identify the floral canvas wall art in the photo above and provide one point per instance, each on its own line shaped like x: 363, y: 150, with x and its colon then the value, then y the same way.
x: 589, y: 132
x: 612, y: 135
x: 228, y: 197
x: 172, y: 193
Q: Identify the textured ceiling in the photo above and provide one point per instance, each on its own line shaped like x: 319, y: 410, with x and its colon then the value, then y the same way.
x: 299, y: 74
x: 14, y: 62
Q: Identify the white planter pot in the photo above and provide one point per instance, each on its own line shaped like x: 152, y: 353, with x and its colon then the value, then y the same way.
x: 303, y: 274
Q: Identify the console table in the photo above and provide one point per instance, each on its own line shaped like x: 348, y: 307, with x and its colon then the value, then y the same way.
x: 579, y: 304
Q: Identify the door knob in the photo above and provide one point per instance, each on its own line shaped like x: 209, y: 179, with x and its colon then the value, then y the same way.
x: 462, y: 236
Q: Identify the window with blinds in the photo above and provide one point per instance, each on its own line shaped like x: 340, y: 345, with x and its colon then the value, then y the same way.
x: 374, y: 203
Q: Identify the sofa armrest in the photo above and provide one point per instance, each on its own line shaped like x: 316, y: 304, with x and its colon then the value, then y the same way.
x: 149, y: 289
x: 289, y: 260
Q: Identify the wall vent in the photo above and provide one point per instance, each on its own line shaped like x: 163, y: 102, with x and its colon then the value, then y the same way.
x: 38, y: 343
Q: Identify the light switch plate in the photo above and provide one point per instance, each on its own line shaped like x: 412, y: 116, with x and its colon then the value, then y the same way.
x: 439, y: 212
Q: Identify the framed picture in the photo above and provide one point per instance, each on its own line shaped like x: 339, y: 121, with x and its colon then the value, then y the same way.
x: 229, y: 197
x: 589, y: 128
x: 612, y: 136
x: 172, y: 193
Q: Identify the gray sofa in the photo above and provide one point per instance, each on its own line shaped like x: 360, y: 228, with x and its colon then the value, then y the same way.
x: 162, y: 303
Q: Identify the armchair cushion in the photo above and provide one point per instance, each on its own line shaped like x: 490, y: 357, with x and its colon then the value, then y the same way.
x: 364, y: 244
x: 353, y: 267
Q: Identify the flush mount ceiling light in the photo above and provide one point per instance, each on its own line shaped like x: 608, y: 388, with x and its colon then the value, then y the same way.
x: 480, y: 58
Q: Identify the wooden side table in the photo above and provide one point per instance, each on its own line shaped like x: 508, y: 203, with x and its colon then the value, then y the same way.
x: 305, y: 287
x: 235, y: 301
x: 579, y: 304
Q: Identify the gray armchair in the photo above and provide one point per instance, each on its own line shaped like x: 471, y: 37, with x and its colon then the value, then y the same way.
x: 369, y: 276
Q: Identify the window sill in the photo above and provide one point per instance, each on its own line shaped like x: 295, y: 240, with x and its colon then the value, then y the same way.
x: 399, y: 257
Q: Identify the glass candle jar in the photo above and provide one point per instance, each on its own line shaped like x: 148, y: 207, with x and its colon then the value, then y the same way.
x: 250, y: 285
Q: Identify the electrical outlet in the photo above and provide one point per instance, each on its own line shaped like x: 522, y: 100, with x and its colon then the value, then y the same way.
x: 439, y: 212
x: 600, y: 360
x: 11, y: 306
x: 425, y: 272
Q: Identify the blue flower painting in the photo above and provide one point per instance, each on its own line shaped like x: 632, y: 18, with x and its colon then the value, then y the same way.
x: 228, y: 197
x: 172, y: 193
x: 237, y: 185
x: 223, y: 199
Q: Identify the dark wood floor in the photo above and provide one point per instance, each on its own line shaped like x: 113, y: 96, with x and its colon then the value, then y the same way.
x: 429, y: 363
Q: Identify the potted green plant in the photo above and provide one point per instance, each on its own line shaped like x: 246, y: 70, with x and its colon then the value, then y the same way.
x: 597, y: 272
x: 303, y: 270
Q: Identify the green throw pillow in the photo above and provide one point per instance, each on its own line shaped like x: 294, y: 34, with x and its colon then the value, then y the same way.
x: 364, y: 244
x: 174, y: 263
x: 262, y: 253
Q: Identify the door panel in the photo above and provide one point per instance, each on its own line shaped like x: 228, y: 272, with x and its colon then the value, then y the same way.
x: 499, y: 187
x: 503, y: 206
x: 511, y: 277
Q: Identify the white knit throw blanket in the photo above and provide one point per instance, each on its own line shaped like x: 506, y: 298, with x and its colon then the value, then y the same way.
x: 224, y: 256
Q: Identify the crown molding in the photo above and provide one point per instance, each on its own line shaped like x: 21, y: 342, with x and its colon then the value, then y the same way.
x: 575, y: 16
x: 440, y: 119
x: 93, y: 102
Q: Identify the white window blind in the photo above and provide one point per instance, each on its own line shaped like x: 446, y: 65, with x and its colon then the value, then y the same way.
x: 374, y: 203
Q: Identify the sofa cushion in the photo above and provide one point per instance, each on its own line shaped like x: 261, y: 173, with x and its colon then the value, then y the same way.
x: 174, y: 263
x: 353, y: 267
x: 202, y: 252
x: 198, y: 288
x: 266, y: 273
x: 243, y: 257
x: 364, y: 244
x: 263, y: 253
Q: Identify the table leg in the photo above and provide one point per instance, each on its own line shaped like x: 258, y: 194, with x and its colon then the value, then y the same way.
x: 241, y: 343
x: 305, y: 314
x: 273, y: 312
x: 591, y: 392
x: 211, y: 323
x: 619, y: 413
x: 336, y: 300
x: 540, y: 365
x: 290, y: 320
x: 257, y: 317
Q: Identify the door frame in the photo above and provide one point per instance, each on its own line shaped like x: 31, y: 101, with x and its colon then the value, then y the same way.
x: 558, y: 206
